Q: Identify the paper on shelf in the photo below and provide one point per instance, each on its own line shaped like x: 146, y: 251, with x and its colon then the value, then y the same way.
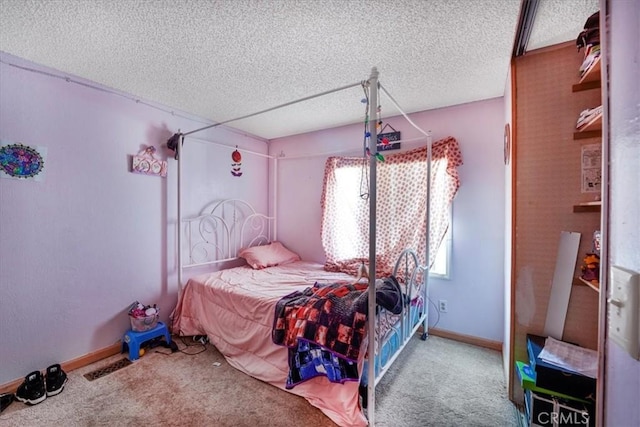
x: 591, y: 168
x: 570, y: 357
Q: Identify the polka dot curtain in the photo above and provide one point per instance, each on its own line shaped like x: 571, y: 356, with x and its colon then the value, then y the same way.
x: 401, y: 206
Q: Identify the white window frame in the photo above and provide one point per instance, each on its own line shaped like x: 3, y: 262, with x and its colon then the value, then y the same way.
x: 442, y: 265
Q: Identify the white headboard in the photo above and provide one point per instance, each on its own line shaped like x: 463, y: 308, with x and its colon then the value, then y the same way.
x: 218, y: 234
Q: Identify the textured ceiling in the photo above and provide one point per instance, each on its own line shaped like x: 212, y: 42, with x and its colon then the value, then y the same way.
x: 228, y: 58
x: 558, y: 21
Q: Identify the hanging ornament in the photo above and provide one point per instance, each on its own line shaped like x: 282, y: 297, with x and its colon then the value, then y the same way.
x: 236, y: 157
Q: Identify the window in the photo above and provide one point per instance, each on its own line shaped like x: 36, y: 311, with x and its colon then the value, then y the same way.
x: 348, y: 231
x: 401, y: 208
x: 349, y: 178
x: 442, y: 263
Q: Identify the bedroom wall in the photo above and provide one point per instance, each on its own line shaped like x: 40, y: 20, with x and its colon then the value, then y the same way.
x: 77, y: 248
x: 508, y: 223
x: 475, y: 289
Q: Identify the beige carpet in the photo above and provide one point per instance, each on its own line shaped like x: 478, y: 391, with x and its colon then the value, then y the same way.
x: 434, y: 383
x: 440, y: 382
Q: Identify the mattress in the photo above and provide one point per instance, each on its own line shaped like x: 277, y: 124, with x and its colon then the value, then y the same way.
x: 235, y: 309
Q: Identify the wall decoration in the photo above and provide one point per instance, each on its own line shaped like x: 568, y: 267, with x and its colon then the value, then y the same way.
x: 18, y: 161
x: 388, y: 141
x: 146, y: 163
x: 591, y: 168
x: 507, y: 144
x: 236, y: 157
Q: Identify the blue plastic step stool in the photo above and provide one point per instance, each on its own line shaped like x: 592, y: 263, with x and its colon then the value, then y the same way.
x: 134, y: 340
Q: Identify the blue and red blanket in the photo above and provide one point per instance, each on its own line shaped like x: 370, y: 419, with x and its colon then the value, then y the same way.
x: 324, y: 327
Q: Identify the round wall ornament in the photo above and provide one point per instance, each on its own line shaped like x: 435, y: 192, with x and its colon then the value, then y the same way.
x: 20, y: 161
x: 507, y: 143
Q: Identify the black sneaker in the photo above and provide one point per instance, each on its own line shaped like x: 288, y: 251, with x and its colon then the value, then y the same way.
x: 5, y: 400
x: 32, y: 390
x: 56, y: 379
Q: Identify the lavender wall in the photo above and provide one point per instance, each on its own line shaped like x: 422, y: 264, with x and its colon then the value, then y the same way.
x: 79, y: 247
x: 622, y: 387
x: 508, y: 229
x: 475, y: 291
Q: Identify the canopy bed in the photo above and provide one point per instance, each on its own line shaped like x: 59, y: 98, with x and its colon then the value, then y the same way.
x: 275, y: 317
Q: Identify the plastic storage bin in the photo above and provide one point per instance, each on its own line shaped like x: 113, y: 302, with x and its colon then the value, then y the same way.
x: 142, y: 324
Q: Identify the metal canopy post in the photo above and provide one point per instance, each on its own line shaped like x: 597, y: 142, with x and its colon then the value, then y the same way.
x: 179, y: 201
x: 425, y: 274
x: 373, y: 149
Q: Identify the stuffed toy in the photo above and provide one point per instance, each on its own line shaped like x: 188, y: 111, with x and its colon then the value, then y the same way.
x: 591, y: 268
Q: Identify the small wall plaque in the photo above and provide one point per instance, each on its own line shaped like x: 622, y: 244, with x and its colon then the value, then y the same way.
x: 388, y: 141
x: 146, y: 163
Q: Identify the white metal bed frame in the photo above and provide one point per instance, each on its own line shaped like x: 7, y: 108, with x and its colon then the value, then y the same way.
x: 218, y: 235
x: 213, y: 222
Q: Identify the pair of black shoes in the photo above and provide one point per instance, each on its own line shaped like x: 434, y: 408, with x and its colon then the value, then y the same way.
x: 35, y: 388
x: 5, y: 400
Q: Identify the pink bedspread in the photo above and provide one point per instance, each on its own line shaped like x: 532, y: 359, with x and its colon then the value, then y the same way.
x: 235, y: 309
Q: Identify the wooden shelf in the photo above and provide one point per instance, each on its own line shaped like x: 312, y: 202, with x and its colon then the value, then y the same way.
x: 592, y: 129
x: 590, y: 79
x: 587, y: 208
x: 580, y: 281
x: 579, y: 87
x: 587, y: 134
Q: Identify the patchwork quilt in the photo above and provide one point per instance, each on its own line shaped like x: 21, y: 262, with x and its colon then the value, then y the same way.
x: 324, y: 327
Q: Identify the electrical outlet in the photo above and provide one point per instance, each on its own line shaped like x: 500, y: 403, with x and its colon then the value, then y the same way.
x: 442, y: 306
